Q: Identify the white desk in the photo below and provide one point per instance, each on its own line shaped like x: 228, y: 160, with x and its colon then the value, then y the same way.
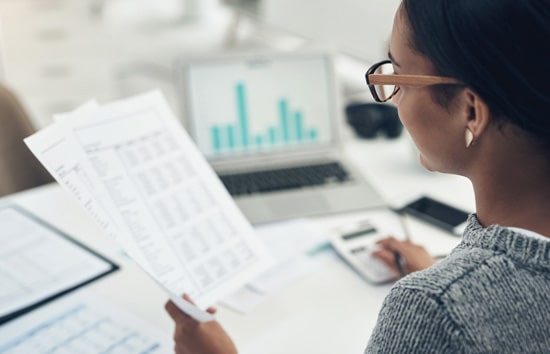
x: 330, y: 311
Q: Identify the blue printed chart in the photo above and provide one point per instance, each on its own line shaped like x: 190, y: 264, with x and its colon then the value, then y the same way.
x: 242, y: 107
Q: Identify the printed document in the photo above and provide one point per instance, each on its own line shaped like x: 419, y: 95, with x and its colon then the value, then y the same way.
x: 82, y: 323
x: 139, y: 175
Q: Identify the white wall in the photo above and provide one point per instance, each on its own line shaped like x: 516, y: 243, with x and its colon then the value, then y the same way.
x: 358, y: 27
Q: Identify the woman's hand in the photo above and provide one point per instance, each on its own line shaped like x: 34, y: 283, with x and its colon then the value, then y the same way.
x: 192, y: 337
x: 414, y: 257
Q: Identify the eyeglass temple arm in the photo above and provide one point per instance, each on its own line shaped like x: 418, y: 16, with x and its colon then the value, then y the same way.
x: 409, y: 80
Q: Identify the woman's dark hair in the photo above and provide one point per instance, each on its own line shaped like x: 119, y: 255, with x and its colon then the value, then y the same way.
x: 499, y: 48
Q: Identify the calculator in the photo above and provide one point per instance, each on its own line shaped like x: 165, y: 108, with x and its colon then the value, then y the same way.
x: 356, y: 246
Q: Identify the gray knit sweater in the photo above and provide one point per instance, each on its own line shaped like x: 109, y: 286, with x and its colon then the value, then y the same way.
x: 490, y: 295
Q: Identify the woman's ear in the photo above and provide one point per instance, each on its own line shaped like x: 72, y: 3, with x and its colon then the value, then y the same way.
x: 477, y: 113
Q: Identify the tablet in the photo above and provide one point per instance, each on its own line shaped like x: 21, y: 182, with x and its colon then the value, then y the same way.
x: 39, y: 263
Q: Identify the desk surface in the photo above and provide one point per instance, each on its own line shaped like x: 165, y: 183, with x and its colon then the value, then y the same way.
x: 330, y: 311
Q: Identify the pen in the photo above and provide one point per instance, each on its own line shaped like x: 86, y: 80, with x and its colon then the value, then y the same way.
x: 399, y: 263
x: 406, y: 232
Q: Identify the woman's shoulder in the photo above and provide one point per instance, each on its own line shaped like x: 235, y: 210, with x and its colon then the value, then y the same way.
x: 495, y: 254
x: 478, y: 275
x: 467, y: 302
x: 435, y: 280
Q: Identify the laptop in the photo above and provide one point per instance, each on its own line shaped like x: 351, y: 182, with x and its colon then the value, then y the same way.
x: 269, y: 126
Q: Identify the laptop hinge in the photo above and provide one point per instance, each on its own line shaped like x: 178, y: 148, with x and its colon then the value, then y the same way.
x: 267, y: 162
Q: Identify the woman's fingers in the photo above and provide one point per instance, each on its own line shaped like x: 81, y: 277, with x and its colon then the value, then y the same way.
x: 174, y: 312
x: 387, y: 257
x: 187, y: 298
x: 395, y: 245
x: 414, y: 256
x: 177, y: 314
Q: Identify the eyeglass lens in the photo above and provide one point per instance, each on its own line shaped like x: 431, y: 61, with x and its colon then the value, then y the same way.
x: 384, y: 92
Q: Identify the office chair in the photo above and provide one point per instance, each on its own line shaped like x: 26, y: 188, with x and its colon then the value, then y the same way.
x: 19, y: 169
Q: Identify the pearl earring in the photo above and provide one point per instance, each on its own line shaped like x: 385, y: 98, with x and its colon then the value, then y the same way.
x: 469, y: 137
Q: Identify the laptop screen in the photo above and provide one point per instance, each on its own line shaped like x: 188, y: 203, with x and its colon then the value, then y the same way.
x: 260, y: 105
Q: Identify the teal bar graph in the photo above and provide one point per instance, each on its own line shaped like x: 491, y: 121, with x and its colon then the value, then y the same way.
x: 313, y: 134
x: 216, y: 139
x: 230, y: 137
x: 242, y: 113
x: 272, y: 135
x: 283, y: 111
x: 298, y: 126
x: 289, y: 128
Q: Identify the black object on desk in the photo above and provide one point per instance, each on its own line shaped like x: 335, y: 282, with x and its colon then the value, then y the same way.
x: 438, y: 213
x: 370, y: 119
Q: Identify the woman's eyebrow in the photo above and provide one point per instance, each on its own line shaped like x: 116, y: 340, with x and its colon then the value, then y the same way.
x: 392, y: 59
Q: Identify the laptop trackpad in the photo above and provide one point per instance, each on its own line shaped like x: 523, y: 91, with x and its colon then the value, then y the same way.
x: 297, y: 205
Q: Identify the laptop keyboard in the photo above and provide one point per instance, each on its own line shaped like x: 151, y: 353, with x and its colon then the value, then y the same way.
x: 285, y: 178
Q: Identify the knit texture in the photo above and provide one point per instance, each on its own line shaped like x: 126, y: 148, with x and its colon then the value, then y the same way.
x: 490, y: 295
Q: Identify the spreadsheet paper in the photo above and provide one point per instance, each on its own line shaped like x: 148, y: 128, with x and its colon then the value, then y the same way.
x: 137, y: 172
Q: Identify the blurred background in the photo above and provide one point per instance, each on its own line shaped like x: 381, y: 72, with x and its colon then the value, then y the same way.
x: 56, y: 54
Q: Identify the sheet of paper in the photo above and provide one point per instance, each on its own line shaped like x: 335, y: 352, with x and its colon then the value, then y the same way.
x: 289, y: 243
x: 281, y: 276
x: 37, y: 262
x: 82, y: 324
x: 275, y: 280
x: 292, y: 244
x: 244, y: 300
x: 137, y: 172
x: 287, y: 239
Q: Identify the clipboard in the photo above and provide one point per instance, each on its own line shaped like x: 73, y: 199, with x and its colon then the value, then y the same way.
x: 40, y: 263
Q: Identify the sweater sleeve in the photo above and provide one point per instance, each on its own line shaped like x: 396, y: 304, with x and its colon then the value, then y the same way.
x: 413, y: 321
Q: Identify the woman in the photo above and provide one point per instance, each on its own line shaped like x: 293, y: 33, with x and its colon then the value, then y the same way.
x: 476, y: 105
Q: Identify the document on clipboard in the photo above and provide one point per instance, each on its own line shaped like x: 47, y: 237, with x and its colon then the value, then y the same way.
x: 39, y: 263
x: 136, y: 171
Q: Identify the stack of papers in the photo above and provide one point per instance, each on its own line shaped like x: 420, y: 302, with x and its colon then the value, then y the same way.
x: 138, y: 174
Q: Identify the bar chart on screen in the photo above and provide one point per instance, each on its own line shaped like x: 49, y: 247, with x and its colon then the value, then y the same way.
x: 288, y: 129
x: 259, y: 106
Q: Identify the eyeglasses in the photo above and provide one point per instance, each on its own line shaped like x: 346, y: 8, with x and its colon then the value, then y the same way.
x: 384, y: 83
